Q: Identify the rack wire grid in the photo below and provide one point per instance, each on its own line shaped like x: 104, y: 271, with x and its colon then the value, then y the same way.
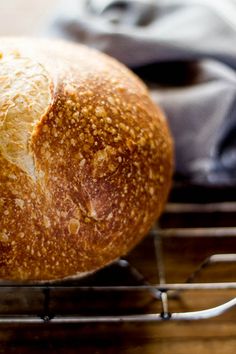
x: 197, y: 225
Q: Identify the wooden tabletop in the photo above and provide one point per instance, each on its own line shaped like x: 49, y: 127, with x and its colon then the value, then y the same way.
x: 181, y: 256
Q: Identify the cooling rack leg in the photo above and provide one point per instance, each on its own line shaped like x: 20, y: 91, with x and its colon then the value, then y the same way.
x: 139, y: 277
x: 159, y: 256
x: 161, y: 272
x: 166, y: 315
x: 46, y: 316
x: 213, y: 259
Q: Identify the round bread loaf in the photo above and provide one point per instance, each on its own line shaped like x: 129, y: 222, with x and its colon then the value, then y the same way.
x: 85, y: 160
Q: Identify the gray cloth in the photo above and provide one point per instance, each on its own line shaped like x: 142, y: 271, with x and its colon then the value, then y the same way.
x: 185, y: 50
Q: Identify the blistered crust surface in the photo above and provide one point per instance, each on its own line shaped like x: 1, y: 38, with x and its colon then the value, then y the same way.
x: 103, y: 159
x: 24, y: 98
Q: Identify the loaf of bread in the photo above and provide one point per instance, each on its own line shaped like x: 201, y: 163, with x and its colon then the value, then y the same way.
x: 85, y: 160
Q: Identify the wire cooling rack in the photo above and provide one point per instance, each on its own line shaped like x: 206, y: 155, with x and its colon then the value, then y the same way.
x: 124, y: 292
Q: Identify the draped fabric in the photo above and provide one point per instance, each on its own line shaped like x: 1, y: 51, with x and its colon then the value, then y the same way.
x: 185, y: 51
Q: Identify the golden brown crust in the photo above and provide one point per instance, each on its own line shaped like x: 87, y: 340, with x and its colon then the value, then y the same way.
x: 102, y: 157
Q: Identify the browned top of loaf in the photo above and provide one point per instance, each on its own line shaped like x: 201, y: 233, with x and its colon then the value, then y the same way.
x: 88, y: 169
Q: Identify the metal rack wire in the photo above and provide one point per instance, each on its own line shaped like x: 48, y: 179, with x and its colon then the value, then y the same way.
x: 160, y: 292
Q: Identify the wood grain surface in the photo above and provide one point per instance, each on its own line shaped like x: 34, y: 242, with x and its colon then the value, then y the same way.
x: 181, y: 257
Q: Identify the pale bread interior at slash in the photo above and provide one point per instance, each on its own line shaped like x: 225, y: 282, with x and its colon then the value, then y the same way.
x: 24, y: 98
